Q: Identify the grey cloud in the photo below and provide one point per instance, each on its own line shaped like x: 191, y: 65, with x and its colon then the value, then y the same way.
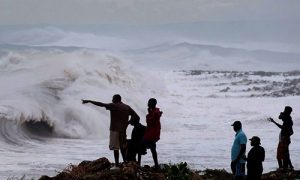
x: 143, y: 11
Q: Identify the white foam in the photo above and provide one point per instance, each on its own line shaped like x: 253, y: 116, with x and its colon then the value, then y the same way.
x: 41, y: 82
x: 54, y: 82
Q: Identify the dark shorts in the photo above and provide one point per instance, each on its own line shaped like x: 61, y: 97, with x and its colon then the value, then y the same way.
x: 149, y: 144
x: 134, y: 148
x: 283, y: 148
x: 254, y: 170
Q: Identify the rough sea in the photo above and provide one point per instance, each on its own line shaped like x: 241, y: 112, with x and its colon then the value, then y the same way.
x: 202, y: 87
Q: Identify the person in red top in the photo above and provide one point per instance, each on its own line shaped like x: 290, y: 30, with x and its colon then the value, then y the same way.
x: 152, y: 133
x: 119, y: 120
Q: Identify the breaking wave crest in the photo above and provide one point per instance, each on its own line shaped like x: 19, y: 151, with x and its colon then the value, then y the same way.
x: 42, y: 90
x: 39, y: 128
x: 17, y: 133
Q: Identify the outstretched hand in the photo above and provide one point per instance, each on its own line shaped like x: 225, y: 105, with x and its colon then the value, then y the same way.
x: 84, y: 101
x: 271, y: 119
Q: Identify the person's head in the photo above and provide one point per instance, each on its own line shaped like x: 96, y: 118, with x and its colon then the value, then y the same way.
x: 134, y: 121
x: 237, y: 125
x: 152, y: 103
x: 287, y: 110
x: 116, y: 98
x: 255, y: 141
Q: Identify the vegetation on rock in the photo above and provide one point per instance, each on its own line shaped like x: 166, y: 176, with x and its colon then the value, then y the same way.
x: 100, y: 169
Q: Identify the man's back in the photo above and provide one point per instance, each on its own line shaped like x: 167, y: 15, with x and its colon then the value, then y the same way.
x: 256, y: 156
x: 138, y: 133
x: 120, y: 113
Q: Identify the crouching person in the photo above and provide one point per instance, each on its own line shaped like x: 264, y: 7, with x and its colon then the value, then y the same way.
x: 135, y: 145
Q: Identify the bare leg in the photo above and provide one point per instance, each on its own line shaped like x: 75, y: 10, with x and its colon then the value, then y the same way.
x: 279, y: 163
x: 139, y: 158
x: 116, y: 155
x: 290, y: 165
x: 288, y: 159
x: 123, y: 153
x: 233, y: 167
x: 154, y: 155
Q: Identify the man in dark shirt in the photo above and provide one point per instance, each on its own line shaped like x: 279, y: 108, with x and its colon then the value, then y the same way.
x: 283, y: 154
x: 119, y: 116
x: 254, y: 159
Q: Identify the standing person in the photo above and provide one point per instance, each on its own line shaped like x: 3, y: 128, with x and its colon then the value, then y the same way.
x: 283, y: 154
x: 119, y: 116
x: 152, y: 134
x: 238, y: 151
x: 254, y: 159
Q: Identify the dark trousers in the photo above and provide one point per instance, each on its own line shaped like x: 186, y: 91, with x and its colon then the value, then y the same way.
x: 254, y: 172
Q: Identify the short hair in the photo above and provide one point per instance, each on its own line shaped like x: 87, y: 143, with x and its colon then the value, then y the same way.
x: 152, y: 101
x: 288, y: 109
x: 117, y: 97
x: 133, y: 120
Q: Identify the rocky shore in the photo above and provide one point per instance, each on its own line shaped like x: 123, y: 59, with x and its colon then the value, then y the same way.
x: 101, y: 169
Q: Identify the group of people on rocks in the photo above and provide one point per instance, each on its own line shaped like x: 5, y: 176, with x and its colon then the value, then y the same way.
x: 257, y: 154
x: 145, y: 137
x: 142, y: 137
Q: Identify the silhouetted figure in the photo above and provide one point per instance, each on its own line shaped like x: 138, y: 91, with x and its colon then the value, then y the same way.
x: 238, y: 151
x: 254, y: 159
x: 283, y: 154
x: 152, y: 134
x: 119, y: 114
x: 135, y: 145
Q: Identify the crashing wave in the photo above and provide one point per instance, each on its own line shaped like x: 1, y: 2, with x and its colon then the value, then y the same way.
x: 42, y: 91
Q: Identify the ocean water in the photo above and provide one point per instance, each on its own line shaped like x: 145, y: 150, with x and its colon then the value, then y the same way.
x: 202, y: 87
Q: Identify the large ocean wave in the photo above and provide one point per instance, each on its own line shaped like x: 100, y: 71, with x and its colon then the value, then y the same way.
x: 45, y: 72
x: 201, y: 87
x: 42, y: 88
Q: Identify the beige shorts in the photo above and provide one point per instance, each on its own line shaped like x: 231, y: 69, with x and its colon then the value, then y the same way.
x: 117, y: 140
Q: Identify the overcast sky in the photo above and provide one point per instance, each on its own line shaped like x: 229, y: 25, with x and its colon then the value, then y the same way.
x: 77, y: 12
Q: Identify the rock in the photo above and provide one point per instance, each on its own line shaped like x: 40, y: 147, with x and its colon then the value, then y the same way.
x: 95, y: 166
x: 129, y: 172
x: 288, y: 175
x: 100, y: 169
x: 45, y: 178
